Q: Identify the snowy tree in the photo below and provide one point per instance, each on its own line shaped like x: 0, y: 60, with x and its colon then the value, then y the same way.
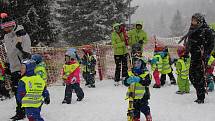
x: 177, y: 27
x: 88, y: 21
x: 34, y: 16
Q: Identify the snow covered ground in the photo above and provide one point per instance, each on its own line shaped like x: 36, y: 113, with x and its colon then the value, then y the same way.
x: 106, y: 103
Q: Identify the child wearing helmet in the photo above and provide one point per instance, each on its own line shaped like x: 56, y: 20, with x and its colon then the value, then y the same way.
x: 182, y: 70
x: 166, y: 67
x: 89, y: 66
x: 71, y: 72
x: 40, y: 67
x: 156, y: 67
x: 32, y: 91
x: 140, y: 77
x: 4, y: 93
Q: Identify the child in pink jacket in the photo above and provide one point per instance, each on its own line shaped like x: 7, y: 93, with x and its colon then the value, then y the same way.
x: 71, y: 77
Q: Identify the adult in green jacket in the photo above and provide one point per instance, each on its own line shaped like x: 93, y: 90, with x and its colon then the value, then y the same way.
x: 120, y: 52
x: 137, y: 35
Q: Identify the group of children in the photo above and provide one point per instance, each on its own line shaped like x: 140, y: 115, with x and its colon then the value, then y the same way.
x: 161, y: 65
x: 32, y: 91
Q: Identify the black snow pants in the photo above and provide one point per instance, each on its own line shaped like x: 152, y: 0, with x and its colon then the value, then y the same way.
x: 69, y: 89
x: 196, y: 75
x: 121, y: 62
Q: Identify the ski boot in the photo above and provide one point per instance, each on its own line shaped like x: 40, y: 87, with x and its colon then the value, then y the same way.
x: 117, y: 84
x: 17, y: 117
x: 148, y: 118
x: 156, y: 86
x: 66, y: 101
x: 180, y: 92
x: 173, y: 82
x: 199, y: 101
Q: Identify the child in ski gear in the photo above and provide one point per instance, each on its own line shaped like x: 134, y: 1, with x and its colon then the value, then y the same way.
x: 209, y: 72
x: 17, y: 43
x: 140, y: 78
x: 200, y: 44
x: 41, y: 66
x: 120, y: 53
x: 156, y: 66
x: 71, y: 72
x: 32, y: 91
x: 182, y: 70
x: 89, y: 66
x: 4, y: 93
x: 137, y: 35
x: 166, y: 68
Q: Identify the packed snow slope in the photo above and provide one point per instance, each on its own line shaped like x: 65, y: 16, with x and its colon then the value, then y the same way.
x: 107, y: 103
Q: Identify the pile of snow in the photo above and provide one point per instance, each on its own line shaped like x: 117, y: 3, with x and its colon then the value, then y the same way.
x: 107, y: 103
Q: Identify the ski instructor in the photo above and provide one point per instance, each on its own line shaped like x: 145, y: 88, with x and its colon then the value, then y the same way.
x: 200, y: 44
x: 17, y: 43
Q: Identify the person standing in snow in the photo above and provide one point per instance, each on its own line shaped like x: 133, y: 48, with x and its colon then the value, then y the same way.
x: 200, y: 44
x: 32, y: 91
x: 120, y: 53
x: 140, y: 77
x: 17, y: 43
x: 89, y: 66
x: 182, y: 70
x: 71, y: 76
x: 137, y: 35
x: 166, y: 68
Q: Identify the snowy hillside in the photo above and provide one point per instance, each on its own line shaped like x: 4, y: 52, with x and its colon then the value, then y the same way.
x: 106, y: 103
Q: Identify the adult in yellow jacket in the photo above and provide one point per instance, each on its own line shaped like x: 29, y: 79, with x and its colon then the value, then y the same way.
x: 120, y: 52
x: 137, y: 35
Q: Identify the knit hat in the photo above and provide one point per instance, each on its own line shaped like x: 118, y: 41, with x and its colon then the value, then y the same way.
x: 6, y: 21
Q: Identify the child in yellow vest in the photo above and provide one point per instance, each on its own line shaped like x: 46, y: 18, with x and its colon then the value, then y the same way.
x: 32, y: 91
x: 182, y: 69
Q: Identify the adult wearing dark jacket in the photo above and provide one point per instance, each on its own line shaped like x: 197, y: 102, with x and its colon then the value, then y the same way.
x: 200, y: 45
x: 17, y: 43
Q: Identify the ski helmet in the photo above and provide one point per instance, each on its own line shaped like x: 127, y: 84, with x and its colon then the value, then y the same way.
x: 87, y: 49
x: 72, y: 49
x: 37, y: 58
x: 181, y: 51
x: 136, y: 49
x: 29, y: 66
x: 6, y: 21
x: 71, y: 54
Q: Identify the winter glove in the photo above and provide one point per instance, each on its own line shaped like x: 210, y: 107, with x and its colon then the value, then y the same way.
x: 141, y: 42
x: 19, y: 46
x: 26, y: 55
x: 133, y: 79
x: 47, y: 100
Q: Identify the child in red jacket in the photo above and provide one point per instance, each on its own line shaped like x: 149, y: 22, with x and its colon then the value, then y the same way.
x: 71, y: 72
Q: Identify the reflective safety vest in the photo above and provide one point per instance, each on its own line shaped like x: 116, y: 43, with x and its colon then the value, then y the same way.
x: 211, y: 60
x: 184, y: 71
x: 68, y: 69
x: 139, y: 88
x: 158, y: 64
x: 166, y: 68
x: 34, y: 86
x: 86, y: 68
x: 41, y: 71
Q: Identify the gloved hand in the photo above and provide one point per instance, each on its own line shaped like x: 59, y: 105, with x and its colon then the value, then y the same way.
x: 141, y: 42
x: 47, y: 100
x: 133, y: 79
x: 19, y: 46
x: 26, y: 55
